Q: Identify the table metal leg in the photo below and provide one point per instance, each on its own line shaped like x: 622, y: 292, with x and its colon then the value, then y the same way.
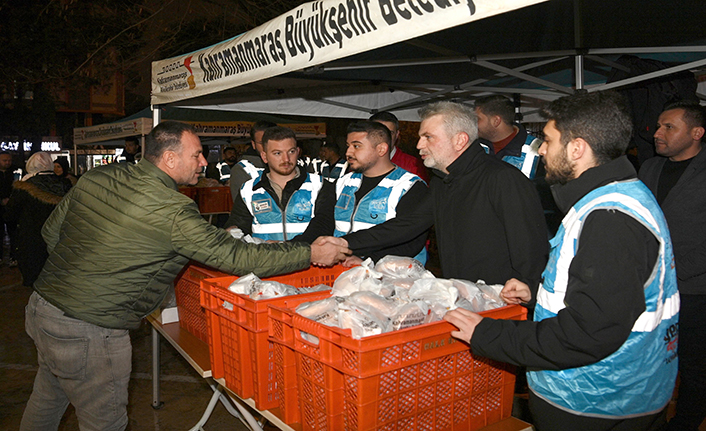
x: 241, y: 413
x: 156, y: 402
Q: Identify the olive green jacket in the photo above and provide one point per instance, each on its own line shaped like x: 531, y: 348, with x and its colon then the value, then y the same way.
x: 121, y: 235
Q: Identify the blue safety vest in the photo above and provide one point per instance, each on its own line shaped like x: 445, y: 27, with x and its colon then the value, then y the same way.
x: 638, y: 378
x: 268, y: 221
x: 528, y: 160
x: 223, y: 171
x: 376, y: 207
x: 249, y: 169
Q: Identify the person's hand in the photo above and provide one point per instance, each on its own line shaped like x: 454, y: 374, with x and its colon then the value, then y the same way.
x: 466, y: 322
x: 273, y: 241
x: 352, y: 261
x: 516, y: 292
x: 325, y: 252
x: 4, y: 202
x: 331, y: 240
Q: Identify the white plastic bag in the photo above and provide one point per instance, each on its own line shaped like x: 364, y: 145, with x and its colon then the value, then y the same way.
x: 244, y: 285
x: 434, y: 291
x: 401, y: 267
x: 271, y: 289
x: 358, y: 278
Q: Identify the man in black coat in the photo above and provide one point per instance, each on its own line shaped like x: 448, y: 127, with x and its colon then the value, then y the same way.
x: 487, y: 215
x: 678, y: 181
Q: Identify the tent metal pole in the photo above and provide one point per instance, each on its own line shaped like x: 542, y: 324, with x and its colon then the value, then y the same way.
x: 523, y: 76
x: 578, y: 61
x: 649, y: 50
x: 513, y: 56
x: 657, y: 74
x: 613, y: 64
x: 343, y: 105
x: 156, y: 119
x: 472, y: 86
x: 75, y: 159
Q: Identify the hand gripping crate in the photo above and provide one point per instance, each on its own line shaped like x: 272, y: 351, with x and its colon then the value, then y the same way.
x: 417, y: 378
x: 238, y: 332
x: 187, y: 289
x: 214, y: 199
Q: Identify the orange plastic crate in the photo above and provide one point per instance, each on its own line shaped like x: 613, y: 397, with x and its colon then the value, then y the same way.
x: 238, y: 332
x: 192, y: 316
x: 418, y: 378
x: 189, y: 191
x: 214, y: 199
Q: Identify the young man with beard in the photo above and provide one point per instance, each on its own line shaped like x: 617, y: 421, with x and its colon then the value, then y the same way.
x: 601, y: 351
x: 397, y: 156
x: 508, y: 140
x: 678, y: 180
x: 373, y: 192
x: 281, y: 201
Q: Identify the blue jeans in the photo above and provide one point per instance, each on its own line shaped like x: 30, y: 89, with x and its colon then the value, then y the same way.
x: 79, y: 363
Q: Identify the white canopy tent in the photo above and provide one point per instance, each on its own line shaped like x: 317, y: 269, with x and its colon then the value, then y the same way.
x: 348, y: 59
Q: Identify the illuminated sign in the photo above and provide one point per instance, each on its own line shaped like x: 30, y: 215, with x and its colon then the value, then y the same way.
x: 49, y: 143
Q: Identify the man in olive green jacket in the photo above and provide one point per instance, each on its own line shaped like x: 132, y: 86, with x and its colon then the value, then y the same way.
x: 116, y: 242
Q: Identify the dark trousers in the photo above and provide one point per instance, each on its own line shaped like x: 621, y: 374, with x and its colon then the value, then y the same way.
x: 546, y: 417
x: 691, y: 398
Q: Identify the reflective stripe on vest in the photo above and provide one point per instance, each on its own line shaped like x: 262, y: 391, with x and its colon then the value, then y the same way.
x: 223, y: 170
x: 268, y: 221
x: 250, y: 169
x: 528, y: 161
x: 639, y: 377
x: 376, y: 207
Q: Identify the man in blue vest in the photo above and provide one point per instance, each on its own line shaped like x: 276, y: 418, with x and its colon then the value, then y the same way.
x: 280, y: 202
x: 333, y: 166
x: 230, y: 158
x: 374, y: 191
x: 601, y: 351
x: 506, y: 139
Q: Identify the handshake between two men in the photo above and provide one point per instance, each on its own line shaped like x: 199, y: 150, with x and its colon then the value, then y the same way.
x: 329, y: 250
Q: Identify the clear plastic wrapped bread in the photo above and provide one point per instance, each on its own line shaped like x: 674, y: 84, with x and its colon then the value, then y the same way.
x: 395, y: 294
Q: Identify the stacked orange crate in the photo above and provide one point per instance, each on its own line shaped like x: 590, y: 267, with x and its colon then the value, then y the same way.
x: 187, y: 289
x: 214, y: 199
x: 418, y: 378
x: 238, y: 333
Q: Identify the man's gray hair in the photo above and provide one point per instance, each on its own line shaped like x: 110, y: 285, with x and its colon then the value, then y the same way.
x: 457, y: 118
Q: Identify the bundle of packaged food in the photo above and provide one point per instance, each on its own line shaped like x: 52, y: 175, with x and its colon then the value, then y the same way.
x: 394, y: 294
x: 256, y: 288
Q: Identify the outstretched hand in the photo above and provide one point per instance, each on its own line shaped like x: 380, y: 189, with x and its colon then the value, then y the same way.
x: 328, y: 251
x: 516, y: 292
x: 466, y: 322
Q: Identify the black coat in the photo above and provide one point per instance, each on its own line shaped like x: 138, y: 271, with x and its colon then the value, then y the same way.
x: 30, y: 204
x: 488, y: 219
x: 684, y: 208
